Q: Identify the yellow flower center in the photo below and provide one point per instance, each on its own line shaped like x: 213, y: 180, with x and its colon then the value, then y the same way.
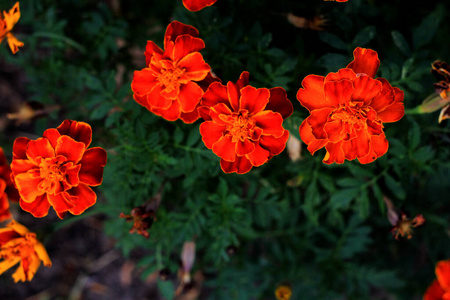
x: 19, y: 247
x: 241, y: 126
x: 52, y: 171
x: 170, y: 78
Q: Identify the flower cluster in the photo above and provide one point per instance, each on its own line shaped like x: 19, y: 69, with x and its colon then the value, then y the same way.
x: 7, y: 23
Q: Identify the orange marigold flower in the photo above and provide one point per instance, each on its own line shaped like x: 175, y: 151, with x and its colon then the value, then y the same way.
x: 439, y: 289
x: 243, y: 125
x: 169, y: 86
x: 196, y: 5
x: 8, y: 191
x: 57, y: 170
x: 283, y: 292
x: 348, y: 109
x: 17, y: 244
x: 7, y: 23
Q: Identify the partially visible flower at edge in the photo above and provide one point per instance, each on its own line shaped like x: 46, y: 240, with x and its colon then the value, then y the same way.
x: 17, y: 244
x: 348, y: 110
x: 8, y: 191
x: 170, y: 85
x: 283, y: 292
x: 243, y: 125
x: 196, y: 5
x: 7, y: 22
x: 439, y: 289
x: 337, y: 0
x: 57, y: 170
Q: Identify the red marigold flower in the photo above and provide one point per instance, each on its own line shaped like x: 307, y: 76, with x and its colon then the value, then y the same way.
x: 169, y: 86
x: 439, y: 289
x: 57, y: 170
x: 17, y: 244
x: 348, y: 109
x: 243, y: 125
x: 196, y: 5
x: 7, y: 23
x: 8, y: 191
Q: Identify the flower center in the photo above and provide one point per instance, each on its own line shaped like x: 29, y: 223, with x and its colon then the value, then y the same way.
x: 170, y: 78
x: 241, y: 126
x: 19, y: 247
x: 355, y: 116
x: 53, y: 172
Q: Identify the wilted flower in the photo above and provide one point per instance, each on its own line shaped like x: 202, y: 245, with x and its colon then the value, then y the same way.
x: 18, y: 245
x: 243, y: 125
x: 142, y: 220
x: 169, y: 85
x: 8, y: 191
x: 196, y: 5
x: 57, y: 170
x: 348, y: 110
x: 404, y: 226
x: 283, y: 292
x: 439, y: 289
x: 7, y: 23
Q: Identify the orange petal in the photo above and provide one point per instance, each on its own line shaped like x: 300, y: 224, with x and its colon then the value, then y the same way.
x: 233, y: 94
x: 243, y: 80
x: 79, y: 131
x: 158, y: 99
x: 211, y: 133
x: 344, y: 73
x: 172, y: 113
x: 12, y: 17
x: 395, y: 111
x: 241, y: 165
x: 270, y: 122
x: 175, y: 29
x: 61, y: 202
x: 189, y: 97
x: 244, y: 147
x: 274, y: 145
x: 52, y: 136
x: 22, y: 165
x: 434, y: 291
x: 70, y: 149
x: 8, y: 264
x: 334, y: 153
x: 20, y: 148
x: 358, y: 146
x: 92, y: 163
x: 28, y: 187
x: 378, y: 147
x: 365, y: 61
x: 259, y: 156
x: 184, y: 45
x: 309, y: 139
x: 216, y: 93
x: 143, y: 82
x: 38, y: 208
x: 13, y: 43
x: 39, y: 148
x: 385, y: 98
x: 339, y: 92
x: 150, y: 50
x: 190, y: 117
x: 443, y: 274
x: 195, y: 67
x: 317, y: 121
x: 312, y: 94
x: 225, y: 148
x: 278, y: 102
x: 84, y: 196
x: 254, y: 100
x: 366, y: 89
x: 196, y: 5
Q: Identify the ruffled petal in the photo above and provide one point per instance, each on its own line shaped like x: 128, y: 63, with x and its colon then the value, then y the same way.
x: 394, y: 112
x: 61, y: 202
x: 196, y: 5
x: 240, y: 166
x: 150, y: 50
x: 259, y: 156
x: 225, y: 148
x: 20, y: 147
x: 244, y: 147
x: 187, y: 44
x: 312, y: 95
x: 385, y: 98
x: 83, y: 197
x: 211, y: 133
x: 443, y: 274
x: 70, y: 149
x: 175, y: 29
x: 215, y: 94
x: 339, y: 92
x: 233, y: 94
x: 8, y: 264
x: 378, y: 147
x: 309, y: 139
x: 344, y: 73
x: 13, y: 43
x: 243, y: 80
x: 189, y: 97
x: 366, y: 89
x: 79, y: 131
x: 254, y: 100
x: 195, y: 67
x: 27, y: 184
x: 278, y: 102
x: 274, y: 145
x: 172, y: 113
x: 143, y: 82
x: 12, y: 16
x: 92, y: 164
x: 52, y: 136
x: 42, y: 254
x: 358, y: 146
x: 270, y: 122
x: 156, y: 99
x: 365, y: 61
x: 21, y: 166
x: 39, y: 148
x: 38, y: 208
x: 190, y: 117
x: 334, y: 153
x: 317, y: 121
x: 434, y: 291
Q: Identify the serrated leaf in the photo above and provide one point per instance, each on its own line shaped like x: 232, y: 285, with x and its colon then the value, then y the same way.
x: 401, y: 43
x: 342, y: 198
x: 101, y: 111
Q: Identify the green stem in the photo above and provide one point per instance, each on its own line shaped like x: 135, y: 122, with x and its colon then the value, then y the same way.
x: 62, y: 38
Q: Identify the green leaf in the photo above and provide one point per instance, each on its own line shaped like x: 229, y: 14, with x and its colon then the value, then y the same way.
x: 349, y: 182
x: 364, y: 36
x: 342, y: 198
x: 166, y: 289
x: 401, y: 43
x: 423, y: 33
x: 395, y: 187
x: 332, y: 40
x: 101, y: 111
x: 414, y: 135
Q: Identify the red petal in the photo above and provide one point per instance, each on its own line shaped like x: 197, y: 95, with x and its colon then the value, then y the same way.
x: 20, y: 148
x: 254, y: 100
x: 92, y: 163
x: 434, y: 291
x: 358, y: 146
x: 143, y: 82
x: 22, y: 166
x: 366, y: 89
x: 184, y: 45
x: 70, y: 149
x: 189, y: 97
x: 142, y: 100
x: 211, y: 133
x: 6, y: 235
x: 221, y: 114
x: 385, y: 98
x: 150, y: 50
x: 225, y: 148
x: 309, y: 139
x: 334, y: 131
x: 195, y: 67
x: 39, y: 148
x: 278, y: 102
x: 341, y: 74
x: 83, y: 197
x: 339, y: 92
x: 317, y: 121
x: 28, y: 186
x: 207, y: 81
x: 60, y: 202
x: 241, y: 165
x: 157, y: 99
x: 270, y: 122
x: 443, y: 274
x: 196, y: 5
x: 258, y: 157
x: 175, y: 29
x: 365, y: 61
x: 274, y: 145
x: 38, y: 208
x: 190, y: 117
x: 170, y: 114
x: 216, y: 93
x: 378, y: 147
x: 233, y: 94
x: 334, y: 153
x: 244, y: 147
x: 79, y: 131
x: 394, y: 112
x: 312, y: 94
x: 52, y: 136
x: 243, y: 80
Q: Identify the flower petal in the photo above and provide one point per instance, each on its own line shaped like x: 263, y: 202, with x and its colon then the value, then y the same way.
x: 28, y: 187
x: 79, y: 131
x: 309, y: 139
x: 254, y: 100
x: 195, y: 67
x: 150, y: 50
x: 39, y: 148
x: 339, y: 92
x: 243, y: 80
x: 61, y: 202
x: 70, y: 149
x: 259, y: 156
x: 270, y: 122
x: 434, y: 291
x: 172, y: 113
x: 233, y: 94
x: 317, y: 121
x: 84, y: 196
x: 244, y: 147
x: 395, y: 111
x: 215, y: 94
x: 143, y: 82
x: 190, y: 117
x: 189, y: 97
x: 38, y: 208
x: 334, y: 153
x: 443, y: 274
x: 378, y: 147
x: 278, y: 102
x: 366, y: 89
x: 21, y: 166
x: 240, y: 166
x: 365, y: 61
x: 225, y: 148
x: 344, y: 73
x: 196, y: 5
x: 312, y: 94
x: 184, y: 45
x: 20, y: 147
x: 211, y: 133
x: 175, y: 29
x: 274, y: 145
x: 92, y: 163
